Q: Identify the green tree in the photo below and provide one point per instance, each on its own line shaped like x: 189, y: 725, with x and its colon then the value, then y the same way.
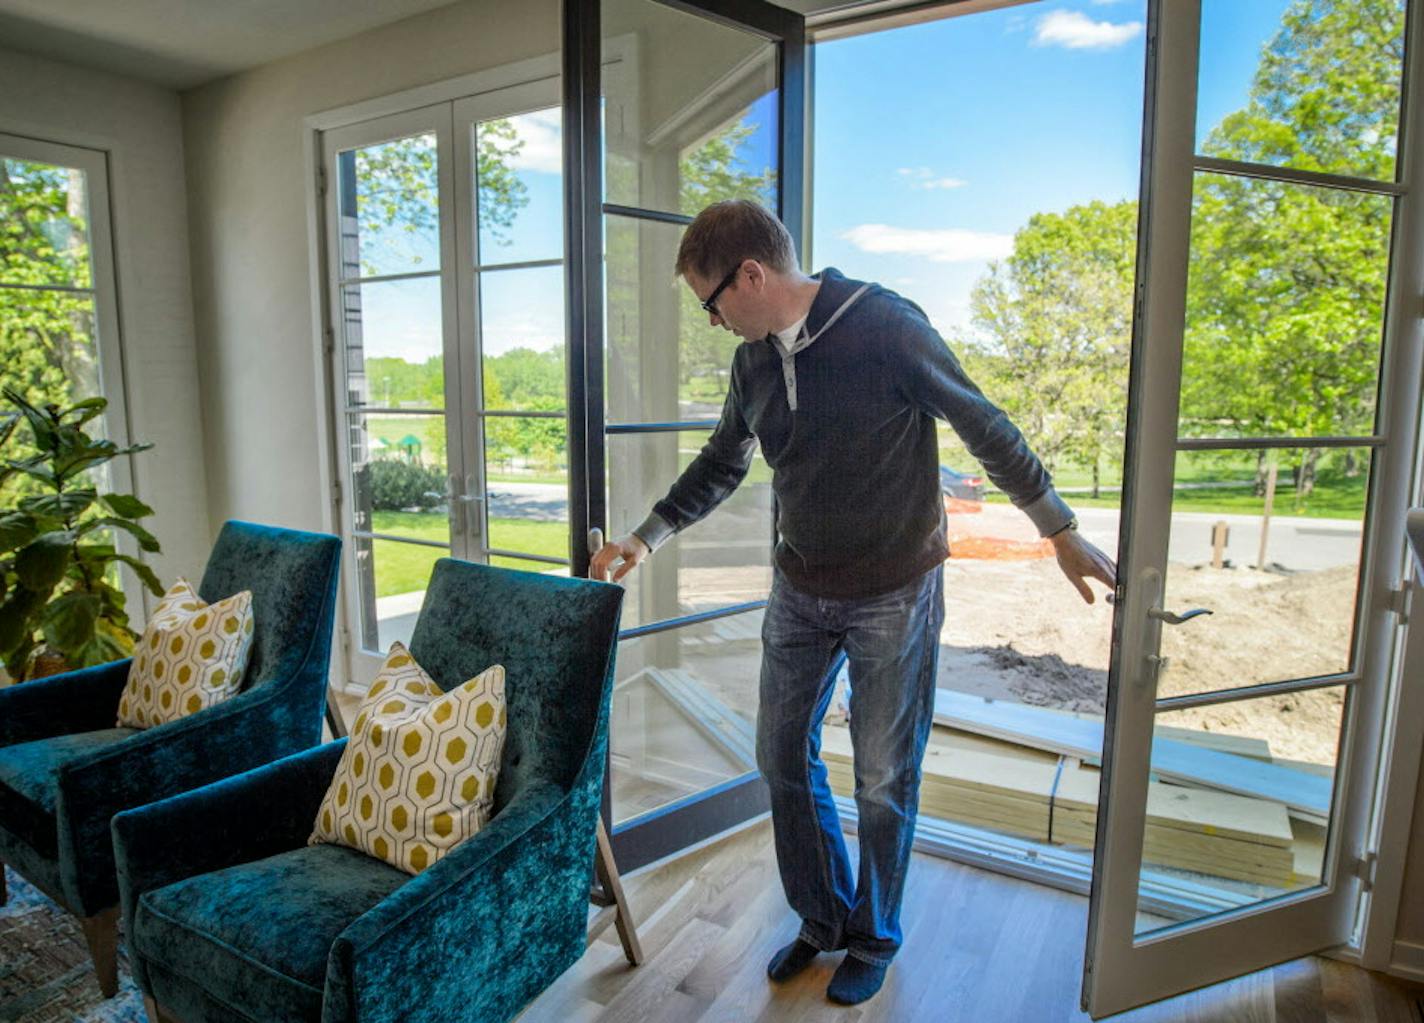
x: 714, y: 170
x: 1287, y: 284
x: 1052, y: 331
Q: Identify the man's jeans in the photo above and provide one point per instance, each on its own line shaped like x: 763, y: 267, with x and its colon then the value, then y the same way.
x: 892, y: 642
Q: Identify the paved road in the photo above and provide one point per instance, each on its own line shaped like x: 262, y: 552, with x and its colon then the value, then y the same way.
x: 1300, y: 544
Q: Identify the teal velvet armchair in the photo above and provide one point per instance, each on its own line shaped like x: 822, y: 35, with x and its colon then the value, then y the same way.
x: 65, y: 769
x: 231, y: 916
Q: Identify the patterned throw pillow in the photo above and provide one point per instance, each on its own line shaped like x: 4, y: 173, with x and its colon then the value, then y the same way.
x: 191, y: 655
x: 418, y: 773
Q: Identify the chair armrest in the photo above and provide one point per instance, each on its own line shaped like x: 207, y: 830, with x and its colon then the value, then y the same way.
x: 242, y: 733
x: 504, y: 908
x: 76, y: 701
x: 237, y: 820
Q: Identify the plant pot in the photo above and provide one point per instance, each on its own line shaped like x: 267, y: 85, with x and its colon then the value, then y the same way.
x: 48, y: 662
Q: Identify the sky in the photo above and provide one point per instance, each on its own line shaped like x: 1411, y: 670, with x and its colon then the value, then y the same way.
x: 933, y: 144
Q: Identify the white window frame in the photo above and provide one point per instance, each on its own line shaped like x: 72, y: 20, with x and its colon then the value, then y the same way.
x: 107, y: 337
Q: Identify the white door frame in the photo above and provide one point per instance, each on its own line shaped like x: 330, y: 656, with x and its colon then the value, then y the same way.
x: 362, y: 663
x: 1121, y: 969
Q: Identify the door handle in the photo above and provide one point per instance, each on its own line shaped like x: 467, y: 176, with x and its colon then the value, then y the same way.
x: 1172, y: 618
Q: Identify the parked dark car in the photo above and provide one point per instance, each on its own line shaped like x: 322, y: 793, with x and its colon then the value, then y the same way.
x: 960, y: 484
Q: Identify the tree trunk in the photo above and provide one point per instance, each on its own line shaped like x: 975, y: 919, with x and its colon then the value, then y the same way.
x: 1259, y: 489
x: 1096, y: 461
x: 1352, y: 464
x: 1305, y: 476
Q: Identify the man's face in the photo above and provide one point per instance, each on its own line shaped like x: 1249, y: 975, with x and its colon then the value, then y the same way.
x: 738, y: 305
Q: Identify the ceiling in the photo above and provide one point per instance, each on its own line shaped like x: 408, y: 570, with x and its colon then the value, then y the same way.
x: 182, y: 43
x: 179, y: 44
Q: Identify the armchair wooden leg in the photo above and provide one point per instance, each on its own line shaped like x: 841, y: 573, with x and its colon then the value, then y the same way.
x: 609, y: 895
x: 102, y: 933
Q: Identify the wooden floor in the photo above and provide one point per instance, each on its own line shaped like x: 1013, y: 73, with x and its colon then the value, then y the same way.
x: 979, y: 947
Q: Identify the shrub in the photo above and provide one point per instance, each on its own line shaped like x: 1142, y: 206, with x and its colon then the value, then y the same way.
x: 398, y: 485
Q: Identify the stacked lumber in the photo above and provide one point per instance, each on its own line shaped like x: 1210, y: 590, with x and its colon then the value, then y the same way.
x: 1050, y: 797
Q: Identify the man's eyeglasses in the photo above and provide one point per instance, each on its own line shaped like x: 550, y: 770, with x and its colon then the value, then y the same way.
x: 710, y: 305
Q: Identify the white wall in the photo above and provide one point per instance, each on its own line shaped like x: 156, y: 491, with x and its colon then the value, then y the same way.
x: 248, y: 188
x: 139, y: 126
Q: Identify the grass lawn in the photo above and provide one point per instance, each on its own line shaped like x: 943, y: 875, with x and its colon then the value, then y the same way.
x: 405, y: 568
x: 1335, y: 497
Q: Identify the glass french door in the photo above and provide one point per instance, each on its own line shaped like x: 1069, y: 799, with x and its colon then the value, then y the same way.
x: 1270, y: 314
x: 690, y: 103
x: 445, y: 243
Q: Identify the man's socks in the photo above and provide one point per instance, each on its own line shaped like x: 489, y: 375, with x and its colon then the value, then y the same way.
x: 791, y: 960
x: 854, y: 981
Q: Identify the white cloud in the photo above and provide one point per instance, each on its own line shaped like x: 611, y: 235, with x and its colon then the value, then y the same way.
x: 924, y: 178
x: 946, y: 245
x: 543, y: 142
x: 1077, y: 31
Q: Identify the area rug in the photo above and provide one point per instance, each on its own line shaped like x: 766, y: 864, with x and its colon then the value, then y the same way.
x: 46, y: 975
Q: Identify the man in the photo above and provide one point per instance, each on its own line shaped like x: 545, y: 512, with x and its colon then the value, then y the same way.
x: 841, y: 383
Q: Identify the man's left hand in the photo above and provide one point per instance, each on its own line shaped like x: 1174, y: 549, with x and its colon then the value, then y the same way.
x: 1081, y: 561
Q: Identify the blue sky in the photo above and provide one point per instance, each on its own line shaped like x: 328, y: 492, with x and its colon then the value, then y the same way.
x: 934, y: 143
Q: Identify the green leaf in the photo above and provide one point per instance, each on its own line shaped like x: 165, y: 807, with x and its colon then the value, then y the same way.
x: 146, y: 540
x: 8, y: 422
x: 40, y: 421
x: 144, y: 572
x: 68, y: 622
x: 102, y: 649
x: 33, y: 467
x: 87, y: 409
x: 16, y: 530
x: 40, y: 564
x: 126, y: 505
x: 16, y: 623
x: 60, y: 506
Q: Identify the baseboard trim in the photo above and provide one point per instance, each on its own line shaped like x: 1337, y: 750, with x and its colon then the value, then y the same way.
x: 1407, y: 961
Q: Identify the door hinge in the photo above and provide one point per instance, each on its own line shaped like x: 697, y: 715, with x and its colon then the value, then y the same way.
x: 1364, y: 868
x: 328, y: 344
x: 336, y: 493
x: 1399, y: 599
x: 321, y: 179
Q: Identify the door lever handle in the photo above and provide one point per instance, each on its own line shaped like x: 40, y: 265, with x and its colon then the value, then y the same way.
x: 1171, y: 618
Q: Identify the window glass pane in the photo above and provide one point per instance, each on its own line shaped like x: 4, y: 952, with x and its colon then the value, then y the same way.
x: 1285, y: 615
x: 684, y: 711
x: 389, y: 208
x: 697, y: 122
x: 525, y: 565
x: 1309, y: 86
x: 519, y: 188
x: 48, y: 349
x: 527, y: 485
x: 664, y: 361
x: 391, y: 578
x: 394, y: 343
x: 724, y: 559
x: 400, y: 479
x: 1238, y: 804
x: 1285, y: 309
x: 44, y: 234
x: 522, y: 339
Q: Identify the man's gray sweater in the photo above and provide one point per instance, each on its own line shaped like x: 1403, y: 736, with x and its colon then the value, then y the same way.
x: 847, y: 425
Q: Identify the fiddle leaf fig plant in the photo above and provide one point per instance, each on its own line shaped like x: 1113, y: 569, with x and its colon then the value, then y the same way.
x: 61, y: 607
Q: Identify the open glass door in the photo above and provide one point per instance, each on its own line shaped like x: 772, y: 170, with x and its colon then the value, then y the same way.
x: 1269, y: 315
x: 668, y: 108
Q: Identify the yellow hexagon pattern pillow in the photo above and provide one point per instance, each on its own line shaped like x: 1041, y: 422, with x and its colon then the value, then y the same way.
x: 418, y: 773
x: 191, y: 655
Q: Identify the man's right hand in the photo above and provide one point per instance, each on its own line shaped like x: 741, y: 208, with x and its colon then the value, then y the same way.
x: 628, y: 551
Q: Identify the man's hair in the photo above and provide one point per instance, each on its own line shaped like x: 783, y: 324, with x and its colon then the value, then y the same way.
x: 728, y: 232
